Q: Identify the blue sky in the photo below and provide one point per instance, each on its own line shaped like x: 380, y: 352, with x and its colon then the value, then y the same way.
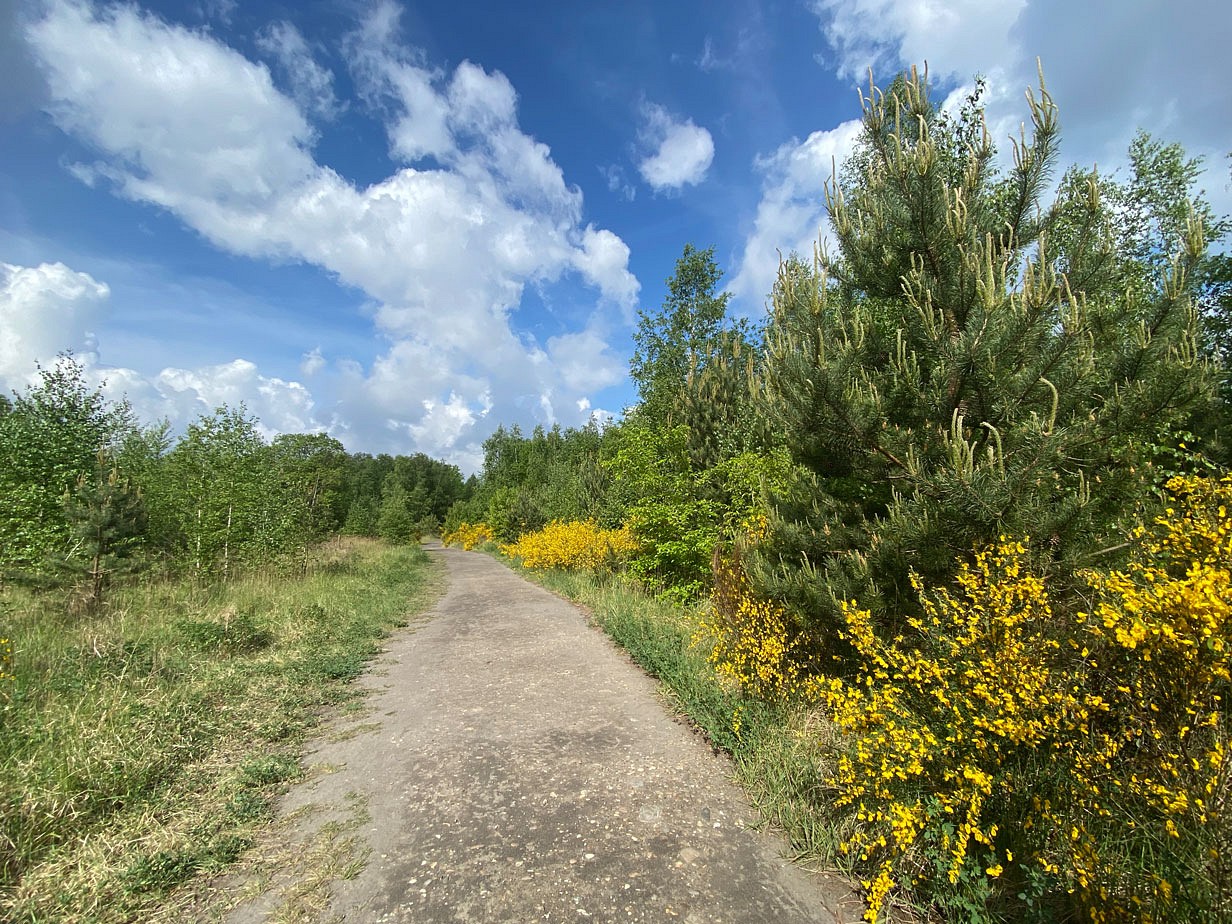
x: 407, y: 223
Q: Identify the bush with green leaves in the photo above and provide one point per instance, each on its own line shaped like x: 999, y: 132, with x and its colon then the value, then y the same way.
x: 50, y: 438
x: 681, y: 514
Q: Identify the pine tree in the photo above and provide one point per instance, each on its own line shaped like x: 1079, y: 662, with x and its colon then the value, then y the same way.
x: 106, y: 519
x: 715, y: 402
x: 970, y: 363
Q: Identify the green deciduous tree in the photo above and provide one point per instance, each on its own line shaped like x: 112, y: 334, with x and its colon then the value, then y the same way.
x: 221, y: 485
x: 50, y: 437
x: 679, y: 512
x: 529, y: 480
x: 396, y: 521
x: 432, y: 487
x: 680, y: 336
x: 362, y: 517
x: 310, y: 468
x: 694, y: 370
x: 673, y: 519
x: 142, y: 457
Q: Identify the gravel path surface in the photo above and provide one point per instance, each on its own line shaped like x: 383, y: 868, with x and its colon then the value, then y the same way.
x: 515, y: 766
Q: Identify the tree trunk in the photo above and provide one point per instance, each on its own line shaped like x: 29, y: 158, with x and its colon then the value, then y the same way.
x: 226, y: 549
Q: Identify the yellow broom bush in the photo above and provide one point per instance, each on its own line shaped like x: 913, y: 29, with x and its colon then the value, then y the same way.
x: 577, y: 544
x: 751, y: 640
x: 1076, y: 761
x: 468, y: 535
x: 936, y: 726
x: 1158, y: 642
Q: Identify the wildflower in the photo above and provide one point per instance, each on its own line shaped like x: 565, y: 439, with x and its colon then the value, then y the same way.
x: 752, y: 641
x: 1125, y: 701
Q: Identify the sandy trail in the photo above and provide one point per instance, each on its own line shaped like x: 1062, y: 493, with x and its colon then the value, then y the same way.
x: 515, y: 766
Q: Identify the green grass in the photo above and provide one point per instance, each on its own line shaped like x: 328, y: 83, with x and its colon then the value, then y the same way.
x: 142, y: 747
x: 777, y: 752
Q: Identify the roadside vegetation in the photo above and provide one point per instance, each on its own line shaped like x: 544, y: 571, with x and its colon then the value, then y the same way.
x: 174, y: 615
x: 143, y: 745
x: 941, y: 553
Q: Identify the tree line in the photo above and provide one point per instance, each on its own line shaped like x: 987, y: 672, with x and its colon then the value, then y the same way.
x: 87, y: 494
x: 982, y: 354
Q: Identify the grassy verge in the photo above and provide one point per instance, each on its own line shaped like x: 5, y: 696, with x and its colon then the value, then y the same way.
x: 776, y: 751
x: 142, y: 747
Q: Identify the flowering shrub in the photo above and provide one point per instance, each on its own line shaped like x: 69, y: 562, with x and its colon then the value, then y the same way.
x: 752, y: 640
x: 1079, y: 762
x: 574, y: 544
x: 468, y: 535
x: 937, y: 728
x: 1159, y: 645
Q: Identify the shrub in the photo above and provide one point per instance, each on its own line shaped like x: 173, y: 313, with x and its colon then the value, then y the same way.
x: 1160, y: 643
x: 939, y: 728
x: 468, y: 535
x: 578, y: 544
x: 752, y: 640
x: 674, y: 518
x: 1008, y: 755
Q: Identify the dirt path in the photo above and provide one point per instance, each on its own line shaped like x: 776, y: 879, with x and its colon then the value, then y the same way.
x: 514, y: 766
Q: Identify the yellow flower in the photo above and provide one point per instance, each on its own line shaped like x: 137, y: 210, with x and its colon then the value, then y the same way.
x: 994, y: 684
x: 571, y: 545
x: 468, y: 535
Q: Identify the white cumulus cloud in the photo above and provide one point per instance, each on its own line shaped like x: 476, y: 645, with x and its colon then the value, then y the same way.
x: 585, y: 362
x: 444, y: 246
x: 956, y: 37
x: 49, y: 309
x: 45, y: 310
x: 791, y: 215
x: 1115, y: 67
x: 312, y: 362
x: 681, y: 152
x: 312, y: 85
x: 185, y: 394
x: 604, y: 257
x: 187, y: 123
x: 960, y: 39
x: 442, y: 424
